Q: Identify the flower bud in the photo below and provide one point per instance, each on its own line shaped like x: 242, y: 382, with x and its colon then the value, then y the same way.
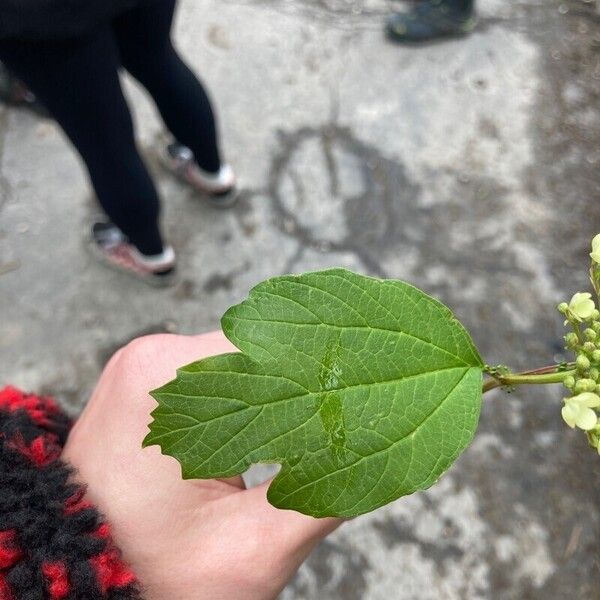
x: 594, y: 374
x: 582, y: 362
x: 585, y: 385
x: 590, y: 334
x: 596, y: 356
x: 589, y: 347
x: 595, y: 314
x: 594, y: 438
x: 563, y: 307
x: 572, y: 340
x: 569, y: 382
x: 596, y: 326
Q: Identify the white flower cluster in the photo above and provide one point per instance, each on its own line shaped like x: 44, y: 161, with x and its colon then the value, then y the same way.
x: 581, y: 408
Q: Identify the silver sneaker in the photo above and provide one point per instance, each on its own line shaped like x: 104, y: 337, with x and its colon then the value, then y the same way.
x: 109, y: 245
x: 219, y: 188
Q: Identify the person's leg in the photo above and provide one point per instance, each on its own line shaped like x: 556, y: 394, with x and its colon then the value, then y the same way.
x: 143, y: 36
x: 78, y: 83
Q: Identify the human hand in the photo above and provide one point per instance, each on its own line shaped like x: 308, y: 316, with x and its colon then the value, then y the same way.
x: 185, y: 540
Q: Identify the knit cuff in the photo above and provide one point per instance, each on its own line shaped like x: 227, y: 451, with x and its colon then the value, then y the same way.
x: 54, y: 544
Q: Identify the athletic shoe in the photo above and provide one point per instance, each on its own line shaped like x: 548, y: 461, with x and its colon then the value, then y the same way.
x: 430, y: 20
x: 111, y: 247
x: 218, y: 187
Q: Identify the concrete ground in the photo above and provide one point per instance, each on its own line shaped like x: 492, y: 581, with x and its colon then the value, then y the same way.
x: 469, y: 168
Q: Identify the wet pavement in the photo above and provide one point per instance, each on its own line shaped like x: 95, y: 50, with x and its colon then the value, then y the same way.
x: 469, y: 168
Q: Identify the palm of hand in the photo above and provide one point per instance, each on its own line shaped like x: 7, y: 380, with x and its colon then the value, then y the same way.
x: 186, y: 540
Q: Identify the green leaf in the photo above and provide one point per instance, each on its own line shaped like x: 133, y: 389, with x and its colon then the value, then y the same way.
x: 363, y: 390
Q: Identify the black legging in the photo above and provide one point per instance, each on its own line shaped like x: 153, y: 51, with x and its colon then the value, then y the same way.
x: 78, y: 82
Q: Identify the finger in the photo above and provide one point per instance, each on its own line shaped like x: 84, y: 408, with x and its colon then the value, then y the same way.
x: 300, y: 530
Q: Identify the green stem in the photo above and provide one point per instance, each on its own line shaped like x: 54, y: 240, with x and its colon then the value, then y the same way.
x: 545, y: 375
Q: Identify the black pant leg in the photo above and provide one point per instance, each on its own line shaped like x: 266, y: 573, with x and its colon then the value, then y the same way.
x: 78, y: 82
x: 143, y: 36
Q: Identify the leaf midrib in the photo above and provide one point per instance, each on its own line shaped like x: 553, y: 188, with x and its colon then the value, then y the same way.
x: 307, y: 393
x: 262, y: 406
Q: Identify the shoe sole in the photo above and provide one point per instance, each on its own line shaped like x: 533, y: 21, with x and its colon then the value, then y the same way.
x: 163, y: 281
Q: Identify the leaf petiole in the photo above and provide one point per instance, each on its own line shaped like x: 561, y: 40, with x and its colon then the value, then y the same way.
x: 545, y: 375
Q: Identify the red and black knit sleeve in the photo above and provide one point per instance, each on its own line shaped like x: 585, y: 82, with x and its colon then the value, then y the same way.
x: 53, y: 543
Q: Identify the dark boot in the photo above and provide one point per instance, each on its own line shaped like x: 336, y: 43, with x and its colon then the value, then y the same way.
x: 432, y: 20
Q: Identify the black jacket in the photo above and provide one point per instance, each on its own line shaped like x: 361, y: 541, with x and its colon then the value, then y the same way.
x: 56, y: 19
